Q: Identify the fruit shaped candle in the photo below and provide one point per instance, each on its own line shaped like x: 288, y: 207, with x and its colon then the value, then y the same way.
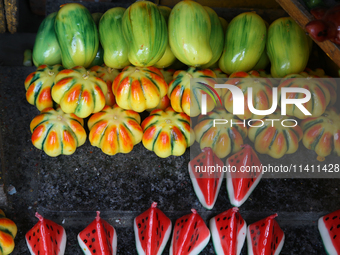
x: 322, y: 134
x: 275, y: 139
x: 152, y: 231
x: 265, y: 237
x: 167, y: 132
x: 241, y: 184
x: 224, y: 139
x: 190, y: 235
x: 108, y: 75
x: 115, y: 130
x: 8, y: 231
x: 79, y: 91
x: 139, y: 88
x: 57, y: 132
x: 329, y: 228
x: 46, y: 238
x: 98, y: 238
x: 228, y: 231
x: 38, y: 86
x: 206, y: 183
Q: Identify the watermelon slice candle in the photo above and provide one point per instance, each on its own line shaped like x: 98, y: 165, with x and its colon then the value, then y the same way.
x: 329, y: 228
x: 46, y: 238
x: 152, y: 231
x: 190, y: 235
x: 241, y: 183
x: 98, y: 238
x: 265, y: 237
x: 206, y: 183
x: 228, y: 230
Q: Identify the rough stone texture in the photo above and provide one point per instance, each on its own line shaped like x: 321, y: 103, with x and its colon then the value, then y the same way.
x: 69, y: 189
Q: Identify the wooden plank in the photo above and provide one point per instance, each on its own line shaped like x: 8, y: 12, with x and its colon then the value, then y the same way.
x: 2, y: 18
x: 12, y: 15
x: 299, y: 13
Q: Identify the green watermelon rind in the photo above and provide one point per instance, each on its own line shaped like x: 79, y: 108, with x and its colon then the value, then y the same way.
x: 139, y: 248
x: 198, y: 191
x: 326, y: 239
x: 217, y: 243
